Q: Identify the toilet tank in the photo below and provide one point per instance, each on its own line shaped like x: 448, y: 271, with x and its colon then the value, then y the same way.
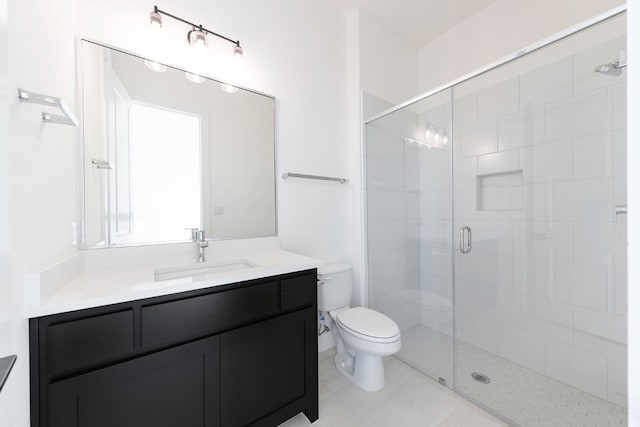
x: 334, y: 286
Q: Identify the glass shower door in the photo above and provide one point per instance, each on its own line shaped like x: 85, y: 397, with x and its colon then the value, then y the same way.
x: 539, y: 262
x: 409, y: 249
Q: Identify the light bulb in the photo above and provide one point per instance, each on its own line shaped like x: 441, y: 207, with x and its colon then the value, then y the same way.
x: 238, y: 53
x: 197, y: 38
x: 228, y: 88
x: 427, y: 133
x: 445, y: 139
x: 155, y: 66
x: 194, y: 78
x: 155, y: 19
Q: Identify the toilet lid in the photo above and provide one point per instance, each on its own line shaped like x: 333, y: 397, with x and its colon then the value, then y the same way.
x: 368, y: 322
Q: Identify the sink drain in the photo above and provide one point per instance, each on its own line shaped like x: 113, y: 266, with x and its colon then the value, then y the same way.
x: 481, y: 378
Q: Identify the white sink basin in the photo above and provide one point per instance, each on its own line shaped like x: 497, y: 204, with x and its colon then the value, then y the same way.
x: 202, y: 269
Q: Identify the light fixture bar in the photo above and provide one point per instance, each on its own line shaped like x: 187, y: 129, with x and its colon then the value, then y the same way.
x: 198, y: 26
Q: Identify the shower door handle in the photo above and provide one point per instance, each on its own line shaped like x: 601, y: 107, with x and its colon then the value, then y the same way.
x: 465, y: 248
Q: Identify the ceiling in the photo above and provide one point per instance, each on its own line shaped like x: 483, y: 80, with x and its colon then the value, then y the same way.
x: 417, y: 21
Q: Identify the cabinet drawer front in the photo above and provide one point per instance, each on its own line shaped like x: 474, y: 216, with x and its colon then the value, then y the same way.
x: 298, y: 292
x: 84, y: 342
x: 178, y: 321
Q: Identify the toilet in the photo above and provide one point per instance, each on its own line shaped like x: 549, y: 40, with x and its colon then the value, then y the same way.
x: 363, y: 336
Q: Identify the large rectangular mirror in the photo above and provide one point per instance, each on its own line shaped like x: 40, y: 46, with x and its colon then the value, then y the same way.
x: 164, y: 150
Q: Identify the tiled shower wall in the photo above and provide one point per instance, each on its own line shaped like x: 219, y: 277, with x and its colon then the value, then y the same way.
x: 539, y: 166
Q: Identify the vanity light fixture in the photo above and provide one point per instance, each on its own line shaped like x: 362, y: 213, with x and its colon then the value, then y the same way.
x: 197, y: 35
x: 155, y: 66
x: 194, y: 78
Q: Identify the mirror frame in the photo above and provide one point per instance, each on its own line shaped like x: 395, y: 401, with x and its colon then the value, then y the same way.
x: 81, y: 167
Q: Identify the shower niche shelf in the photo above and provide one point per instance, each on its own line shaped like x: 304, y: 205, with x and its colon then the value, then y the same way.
x: 502, y: 191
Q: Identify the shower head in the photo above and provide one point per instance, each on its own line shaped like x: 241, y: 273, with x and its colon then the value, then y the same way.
x: 611, y: 69
x: 614, y: 68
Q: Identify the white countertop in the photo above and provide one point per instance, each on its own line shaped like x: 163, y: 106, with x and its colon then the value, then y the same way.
x: 69, y: 285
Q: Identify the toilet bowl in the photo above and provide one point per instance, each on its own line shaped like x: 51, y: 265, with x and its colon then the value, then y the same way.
x: 363, y: 336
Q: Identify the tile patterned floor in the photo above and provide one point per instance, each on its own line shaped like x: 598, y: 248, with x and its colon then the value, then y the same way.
x: 409, y: 399
x: 525, y: 397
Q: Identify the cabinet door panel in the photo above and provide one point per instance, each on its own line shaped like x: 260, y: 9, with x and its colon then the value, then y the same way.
x: 269, y: 370
x: 175, y: 387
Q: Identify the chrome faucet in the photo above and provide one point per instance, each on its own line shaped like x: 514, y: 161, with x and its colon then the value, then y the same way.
x: 199, y: 237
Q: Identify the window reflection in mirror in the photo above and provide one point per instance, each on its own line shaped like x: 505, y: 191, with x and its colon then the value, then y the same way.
x: 180, y: 153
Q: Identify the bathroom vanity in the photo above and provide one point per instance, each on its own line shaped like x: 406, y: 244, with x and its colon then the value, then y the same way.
x: 230, y: 354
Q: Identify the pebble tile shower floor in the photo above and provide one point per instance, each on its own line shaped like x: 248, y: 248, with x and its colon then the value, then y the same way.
x: 524, y: 396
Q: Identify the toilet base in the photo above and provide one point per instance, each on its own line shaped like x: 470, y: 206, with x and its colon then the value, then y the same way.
x: 366, y: 371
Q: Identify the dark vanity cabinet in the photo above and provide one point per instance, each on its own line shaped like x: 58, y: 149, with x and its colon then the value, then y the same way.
x: 243, y: 354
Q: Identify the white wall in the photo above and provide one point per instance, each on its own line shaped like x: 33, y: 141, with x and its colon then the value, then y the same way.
x: 500, y: 29
x: 5, y: 189
x: 388, y: 64
x: 633, y: 218
x: 42, y: 202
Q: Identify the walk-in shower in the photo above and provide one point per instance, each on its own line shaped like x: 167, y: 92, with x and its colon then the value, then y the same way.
x: 496, y: 230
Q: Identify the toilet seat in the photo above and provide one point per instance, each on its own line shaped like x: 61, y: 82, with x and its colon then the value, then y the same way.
x: 368, y: 325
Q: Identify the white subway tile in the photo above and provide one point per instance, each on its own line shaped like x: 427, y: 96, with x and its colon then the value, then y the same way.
x: 513, y: 198
x: 598, y: 345
x: 593, y: 243
x: 581, y: 285
x: 490, y: 198
x: 498, y: 100
x: 546, y: 84
x: 386, y: 236
x: 580, y: 115
x: 465, y: 110
x: 535, y: 202
x: 551, y: 311
x: 620, y: 245
x: 548, y: 240
x: 465, y: 203
x: 384, y: 145
x: 385, y: 205
x: 561, y: 159
x: 605, y: 325
x: 578, y: 368
x: 532, y: 277
x: 561, y: 196
x: 522, y: 129
x: 617, y: 380
x: 479, y: 139
x: 435, y: 178
x: 478, y: 268
x: 592, y: 156
x: 620, y: 291
x: 591, y: 200
x: 535, y: 163
x: 466, y: 172
x: 496, y: 163
x: 523, y: 348
x: 619, y: 152
x: 384, y: 174
x: 619, y: 106
x: 546, y: 329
